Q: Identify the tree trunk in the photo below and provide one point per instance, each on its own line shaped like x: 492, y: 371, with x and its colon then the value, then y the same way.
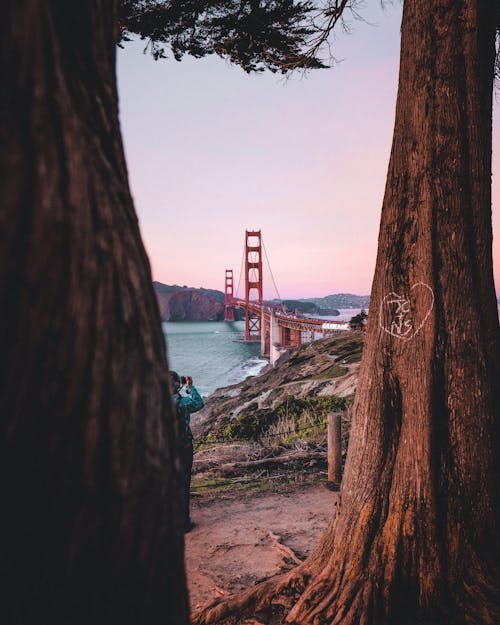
x: 416, y: 540
x: 91, y: 521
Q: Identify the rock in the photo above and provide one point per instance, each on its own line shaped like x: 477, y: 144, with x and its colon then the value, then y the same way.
x: 325, y: 367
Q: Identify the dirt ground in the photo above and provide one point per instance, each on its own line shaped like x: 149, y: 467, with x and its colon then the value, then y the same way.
x: 242, y: 538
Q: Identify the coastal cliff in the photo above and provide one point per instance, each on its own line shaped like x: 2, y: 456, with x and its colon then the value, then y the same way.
x: 189, y: 305
x: 182, y: 303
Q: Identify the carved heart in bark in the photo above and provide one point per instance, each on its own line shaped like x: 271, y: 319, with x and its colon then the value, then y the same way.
x: 403, y: 316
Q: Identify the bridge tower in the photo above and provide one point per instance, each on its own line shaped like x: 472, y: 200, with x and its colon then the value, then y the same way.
x: 253, y: 282
x: 228, y: 297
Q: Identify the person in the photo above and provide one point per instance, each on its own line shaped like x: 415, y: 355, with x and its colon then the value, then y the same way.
x: 186, y: 405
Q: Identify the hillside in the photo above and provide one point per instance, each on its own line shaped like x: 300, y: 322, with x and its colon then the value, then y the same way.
x: 318, y: 373
x: 309, y: 308
x: 341, y: 300
x: 173, y: 288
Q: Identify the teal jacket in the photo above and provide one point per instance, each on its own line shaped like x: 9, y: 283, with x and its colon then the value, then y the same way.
x: 187, y: 404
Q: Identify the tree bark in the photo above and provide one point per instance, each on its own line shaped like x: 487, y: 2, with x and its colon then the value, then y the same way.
x: 416, y: 540
x: 91, y: 521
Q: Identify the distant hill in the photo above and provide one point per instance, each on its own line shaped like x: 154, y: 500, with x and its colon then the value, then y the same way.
x: 185, y: 303
x: 172, y: 288
x: 304, y: 307
x: 307, y: 307
x: 340, y: 300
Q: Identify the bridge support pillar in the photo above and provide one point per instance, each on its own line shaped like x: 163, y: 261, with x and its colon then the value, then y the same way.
x: 253, y: 281
x: 264, y: 335
x: 228, y: 297
x: 284, y: 336
x: 274, y: 339
x: 296, y: 338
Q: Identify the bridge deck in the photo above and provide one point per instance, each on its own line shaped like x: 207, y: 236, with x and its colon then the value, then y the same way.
x: 291, y: 321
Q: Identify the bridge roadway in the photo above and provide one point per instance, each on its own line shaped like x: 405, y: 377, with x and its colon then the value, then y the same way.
x: 287, y: 320
x: 278, y: 331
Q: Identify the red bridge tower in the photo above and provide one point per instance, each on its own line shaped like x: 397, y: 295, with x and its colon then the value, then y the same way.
x: 228, y: 297
x: 253, y: 282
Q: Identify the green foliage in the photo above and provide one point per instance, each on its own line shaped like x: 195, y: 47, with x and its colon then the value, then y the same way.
x: 319, y: 406
x: 253, y: 422
x: 303, y: 419
x: 257, y: 35
x: 249, y: 425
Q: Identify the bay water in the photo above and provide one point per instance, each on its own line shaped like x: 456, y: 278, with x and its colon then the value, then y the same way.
x: 209, y: 351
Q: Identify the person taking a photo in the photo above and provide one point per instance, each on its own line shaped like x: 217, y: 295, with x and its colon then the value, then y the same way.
x: 186, y: 405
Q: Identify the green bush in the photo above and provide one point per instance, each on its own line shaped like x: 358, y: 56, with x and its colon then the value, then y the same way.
x: 306, y: 412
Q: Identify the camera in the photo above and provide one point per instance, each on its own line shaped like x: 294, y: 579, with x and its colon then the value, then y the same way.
x: 182, y: 379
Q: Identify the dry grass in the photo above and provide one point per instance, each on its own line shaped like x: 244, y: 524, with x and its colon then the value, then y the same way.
x: 229, y: 452
x: 278, y: 432
x: 293, y: 432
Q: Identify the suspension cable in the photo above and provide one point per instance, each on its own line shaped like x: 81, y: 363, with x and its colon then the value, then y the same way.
x: 241, y: 271
x: 270, y: 270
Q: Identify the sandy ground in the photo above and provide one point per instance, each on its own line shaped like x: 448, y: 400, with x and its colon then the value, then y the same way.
x: 242, y: 538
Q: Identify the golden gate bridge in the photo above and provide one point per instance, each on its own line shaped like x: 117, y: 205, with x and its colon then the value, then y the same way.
x: 276, y: 328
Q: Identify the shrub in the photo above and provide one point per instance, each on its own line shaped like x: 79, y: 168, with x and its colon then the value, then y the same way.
x: 278, y: 432
x: 306, y: 413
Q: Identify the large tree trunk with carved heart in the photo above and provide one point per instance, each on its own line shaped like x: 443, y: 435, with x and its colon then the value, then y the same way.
x: 416, y: 540
x: 91, y: 504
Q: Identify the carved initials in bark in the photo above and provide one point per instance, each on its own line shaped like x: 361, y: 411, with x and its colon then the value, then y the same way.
x: 403, y: 317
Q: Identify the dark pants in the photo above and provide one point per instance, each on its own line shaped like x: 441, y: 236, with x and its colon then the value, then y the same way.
x: 187, y: 460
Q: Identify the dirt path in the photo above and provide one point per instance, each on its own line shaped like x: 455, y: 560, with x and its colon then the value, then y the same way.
x: 242, y: 538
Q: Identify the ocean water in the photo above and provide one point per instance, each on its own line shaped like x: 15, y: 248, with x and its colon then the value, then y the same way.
x: 346, y: 314
x: 207, y: 351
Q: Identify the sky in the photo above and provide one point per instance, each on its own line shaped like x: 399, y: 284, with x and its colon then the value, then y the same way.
x: 212, y: 151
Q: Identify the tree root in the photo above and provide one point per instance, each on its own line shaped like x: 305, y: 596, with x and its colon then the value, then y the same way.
x: 269, y: 599
x: 220, y: 591
x: 281, y: 548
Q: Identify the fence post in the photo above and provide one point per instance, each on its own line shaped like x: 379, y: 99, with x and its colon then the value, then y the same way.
x: 334, y: 448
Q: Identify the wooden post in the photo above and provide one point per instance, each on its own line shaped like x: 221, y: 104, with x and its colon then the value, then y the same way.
x: 334, y: 448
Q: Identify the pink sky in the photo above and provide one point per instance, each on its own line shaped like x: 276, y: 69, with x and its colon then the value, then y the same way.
x: 212, y: 151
